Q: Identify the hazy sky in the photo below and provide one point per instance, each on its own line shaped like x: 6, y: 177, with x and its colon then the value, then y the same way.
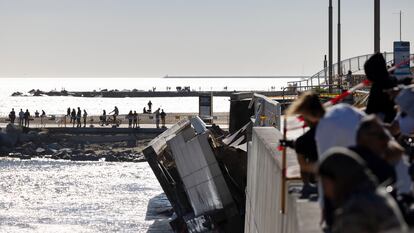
x: 146, y: 38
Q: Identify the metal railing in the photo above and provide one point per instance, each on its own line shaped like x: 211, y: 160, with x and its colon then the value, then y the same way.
x: 355, y: 65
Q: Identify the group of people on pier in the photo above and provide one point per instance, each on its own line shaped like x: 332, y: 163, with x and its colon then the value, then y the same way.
x: 76, y: 117
x: 79, y: 118
x: 360, y: 162
x: 24, y: 117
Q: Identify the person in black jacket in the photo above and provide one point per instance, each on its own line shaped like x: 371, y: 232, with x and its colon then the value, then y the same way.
x: 379, y: 101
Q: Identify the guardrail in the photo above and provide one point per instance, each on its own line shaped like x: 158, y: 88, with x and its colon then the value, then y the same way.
x: 355, y: 65
x: 269, y: 208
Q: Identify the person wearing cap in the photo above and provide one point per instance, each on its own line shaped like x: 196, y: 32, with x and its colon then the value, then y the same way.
x: 359, y: 204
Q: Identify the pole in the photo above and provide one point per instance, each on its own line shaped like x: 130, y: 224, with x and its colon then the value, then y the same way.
x: 330, y: 55
x: 377, y: 28
x: 339, y: 45
x: 400, y: 25
x: 284, y: 167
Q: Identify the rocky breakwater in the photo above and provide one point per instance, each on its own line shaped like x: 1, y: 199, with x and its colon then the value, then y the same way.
x: 23, y: 143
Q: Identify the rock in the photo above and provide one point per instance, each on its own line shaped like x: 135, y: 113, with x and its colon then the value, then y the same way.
x: 25, y: 157
x: 15, y: 155
x: 66, y: 150
x: 53, y: 146
x: 42, y: 133
x: 4, y: 151
x: 50, y: 151
x: 64, y: 153
x: 12, y: 128
x: 6, y: 140
x: 17, y: 94
x: 33, y: 133
x: 40, y: 150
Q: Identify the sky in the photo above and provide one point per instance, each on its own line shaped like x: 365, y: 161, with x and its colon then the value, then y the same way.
x: 155, y: 38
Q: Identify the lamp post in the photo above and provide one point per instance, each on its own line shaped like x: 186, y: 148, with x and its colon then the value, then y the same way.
x: 339, y: 45
x: 330, y: 56
x: 377, y: 23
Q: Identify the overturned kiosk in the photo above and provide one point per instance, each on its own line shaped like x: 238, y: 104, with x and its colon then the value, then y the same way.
x: 235, y: 181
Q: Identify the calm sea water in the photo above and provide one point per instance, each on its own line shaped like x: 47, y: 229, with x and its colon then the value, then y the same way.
x: 64, y: 196
x: 94, y: 106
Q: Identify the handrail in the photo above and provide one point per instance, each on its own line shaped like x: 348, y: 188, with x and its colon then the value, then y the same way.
x: 354, y: 64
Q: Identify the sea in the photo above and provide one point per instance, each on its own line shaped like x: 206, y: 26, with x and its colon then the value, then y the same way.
x: 41, y: 195
x: 94, y: 106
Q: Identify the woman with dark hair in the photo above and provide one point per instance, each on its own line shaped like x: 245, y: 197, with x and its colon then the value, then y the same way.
x: 380, y: 102
x: 358, y: 204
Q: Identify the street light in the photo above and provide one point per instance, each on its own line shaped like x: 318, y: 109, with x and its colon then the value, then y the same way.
x: 339, y: 44
x: 330, y: 56
x: 377, y: 26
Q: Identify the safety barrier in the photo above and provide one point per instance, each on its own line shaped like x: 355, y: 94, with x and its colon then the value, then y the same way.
x: 268, y: 209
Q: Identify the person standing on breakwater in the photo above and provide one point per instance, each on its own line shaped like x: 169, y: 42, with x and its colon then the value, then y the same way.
x: 103, y: 118
x: 42, y: 117
x: 12, y: 116
x: 157, y: 118
x: 78, y: 118
x: 68, y: 115
x: 149, y: 106
x: 73, y: 117
x: 21, y: 117
x: 163, y: 114
x: 26, y: 118
x: 116, y: 113
x: 37, y: 114
x: 130, y: 117
x: 85, y: 115
x: 135, y: 120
